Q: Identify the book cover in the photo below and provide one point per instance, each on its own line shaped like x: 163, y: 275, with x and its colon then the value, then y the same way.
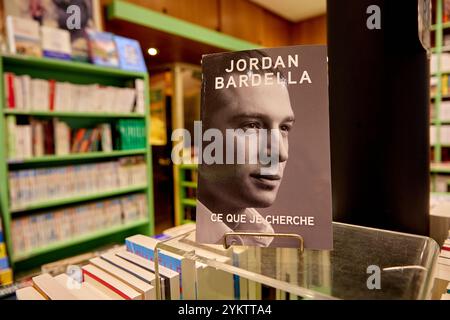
x: 264, y: 165
x: 130, y: 54
x: 23, y: 36
x: 56, y: 43
x: 103, y: 49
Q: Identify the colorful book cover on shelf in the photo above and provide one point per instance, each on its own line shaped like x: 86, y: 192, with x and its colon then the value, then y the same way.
x: 78, y: 139
x: 56, y: 43
x: 6, y: 277
x: 130, y: 54
x: 23, y: 36
x: 4, y: 264
x: 103, y: 49
x: 264, y: 165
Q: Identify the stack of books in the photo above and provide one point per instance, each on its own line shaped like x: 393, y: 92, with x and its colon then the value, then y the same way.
x: 24, y: 93
x: 6, y: 277
x: 128, y: 273
x: 443, y: 263
x: 40, y: 230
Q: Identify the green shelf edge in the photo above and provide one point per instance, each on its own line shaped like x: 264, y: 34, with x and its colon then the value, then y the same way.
x: 445, y: 122
x: 77, y: 240
x: 440, y: 145
x: 79, y: 156
x: 189, y: 184
x: 189, y: 202
x: 59, y: 202
x: 72, y: 114
x: 442, y: 97
x: 445, y: 25
x: 58, y: 64
x: 188, y: 166
x: 125, y: 11
x: 436, y: 169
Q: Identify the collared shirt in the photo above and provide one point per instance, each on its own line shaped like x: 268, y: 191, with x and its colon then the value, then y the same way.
x: 213, y: 231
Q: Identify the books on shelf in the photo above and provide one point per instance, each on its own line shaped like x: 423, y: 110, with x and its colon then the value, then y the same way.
x: 62, y: 137
x: 55, y: 137
x: 23, y: 36
x: 56, y: 43
x: 33, y: 186
x: 102, y: 49
x: 42, y: 229
x: 139, y: 85
x: 131, y: 134
x: 32, y: 94
x: 445, y: 63
x: 444, y: 111
x: 6, y: 276
x: 445, y: 85
x: 130, y: 54
x: 444, y: 137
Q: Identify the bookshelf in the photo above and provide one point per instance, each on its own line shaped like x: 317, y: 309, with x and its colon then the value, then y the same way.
x: 186, y: 180
x: 81, y: 74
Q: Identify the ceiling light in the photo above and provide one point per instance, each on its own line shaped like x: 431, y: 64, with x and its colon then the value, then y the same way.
x: 152, y: 51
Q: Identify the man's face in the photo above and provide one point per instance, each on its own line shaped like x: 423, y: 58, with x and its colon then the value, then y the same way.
x: 250, y: 108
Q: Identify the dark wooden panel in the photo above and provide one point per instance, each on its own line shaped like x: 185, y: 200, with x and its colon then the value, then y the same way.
x: 201, y: 12
x: 310, y: 31
x: 172, y: 48
x: 275, y: 30
x: 242, y: 19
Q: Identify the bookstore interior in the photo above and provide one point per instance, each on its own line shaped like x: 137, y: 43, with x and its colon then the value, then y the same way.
x: 116, y: 183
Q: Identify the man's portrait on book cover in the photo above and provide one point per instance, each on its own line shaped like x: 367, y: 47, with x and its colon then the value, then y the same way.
x: 265, y: 159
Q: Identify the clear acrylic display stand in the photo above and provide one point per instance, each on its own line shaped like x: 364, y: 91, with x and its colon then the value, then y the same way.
x: 365, y: 263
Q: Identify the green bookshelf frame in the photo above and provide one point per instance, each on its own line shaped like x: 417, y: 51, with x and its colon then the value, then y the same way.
x: 181, y: 199
x: 80, y: 73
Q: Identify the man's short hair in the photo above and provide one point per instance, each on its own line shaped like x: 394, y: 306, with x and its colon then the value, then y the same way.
x: 215, y: 67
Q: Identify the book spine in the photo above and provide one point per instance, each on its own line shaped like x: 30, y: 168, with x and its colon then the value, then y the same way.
x: 51, y: 96
x: 9, y: 82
